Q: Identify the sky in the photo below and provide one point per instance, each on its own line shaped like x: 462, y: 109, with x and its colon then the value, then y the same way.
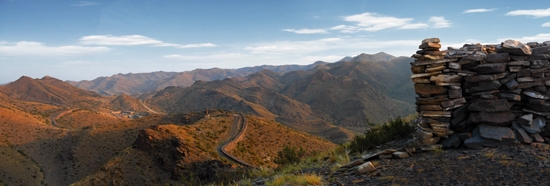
x: 83, y: 40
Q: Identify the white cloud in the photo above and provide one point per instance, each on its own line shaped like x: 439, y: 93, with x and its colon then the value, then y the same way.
x: 536, y: 38
x: 307, y: 31
x: 373, y: 22
x: 414, y: 26
x: 129, y: 40
x: 478, y: 10
x: 84, y: 3
x: 537, y: 13
x: 440, y: 22
x: 547, y: 24
x: 198, y: 45
x: 223, y: 56
x: 346, y: 28
x: 28, y: 48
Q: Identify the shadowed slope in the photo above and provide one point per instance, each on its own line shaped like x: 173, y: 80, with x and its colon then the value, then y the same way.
x: 349, y: 102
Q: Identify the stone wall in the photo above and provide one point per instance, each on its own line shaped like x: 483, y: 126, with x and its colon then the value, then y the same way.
x: 482, y: 95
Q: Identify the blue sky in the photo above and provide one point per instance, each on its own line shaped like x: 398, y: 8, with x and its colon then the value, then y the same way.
x: 77, y: 40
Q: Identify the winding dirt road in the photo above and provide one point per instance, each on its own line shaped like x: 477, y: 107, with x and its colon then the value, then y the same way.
x: 236, y: 131
x: 57, y: 115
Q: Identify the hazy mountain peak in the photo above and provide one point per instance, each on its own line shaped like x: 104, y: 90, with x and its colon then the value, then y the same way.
x: 378, y: 57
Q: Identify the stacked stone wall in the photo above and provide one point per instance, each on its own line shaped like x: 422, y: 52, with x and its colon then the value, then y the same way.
x: 482, y: 95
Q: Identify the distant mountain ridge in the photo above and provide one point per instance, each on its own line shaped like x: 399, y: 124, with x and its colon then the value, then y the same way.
x: 139, y: 83
x: 344, y: 95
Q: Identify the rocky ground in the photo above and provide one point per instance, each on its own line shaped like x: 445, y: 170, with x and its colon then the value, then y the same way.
x: 518, y: 164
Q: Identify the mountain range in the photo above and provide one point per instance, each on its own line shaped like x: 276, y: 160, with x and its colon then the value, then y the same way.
x: 332, y: 100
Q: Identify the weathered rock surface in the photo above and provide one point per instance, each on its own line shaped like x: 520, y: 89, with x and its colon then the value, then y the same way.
x: 490, y: 68
x: 515, y: 48
x: 505, y: 135
x: 493, y: 118
x: 429, y: 89
x: 496, y: 105
x: 366, y: 167
x: 522, y: 136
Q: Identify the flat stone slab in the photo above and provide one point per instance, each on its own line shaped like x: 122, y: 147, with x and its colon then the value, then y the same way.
x: 429, y: 89
x: 436, y: 113
x: 535, y: 94
x: 541, y: 50
x: 430, y: 107
x: 493, y: 118
x: 498, y: 58
x: 522, y: 136
x: 496, y: 133
x: 423, y: 75
x: 446, y: 78
x: 430, y: 62
x: 453, y: 102
x: 477, y: 142
x: 539, y: 108
x: 493, y: 105
x: 490, y: 68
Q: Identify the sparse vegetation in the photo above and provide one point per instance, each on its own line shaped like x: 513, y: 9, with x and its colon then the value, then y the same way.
x: 289, y: 155
x: 394, y: 129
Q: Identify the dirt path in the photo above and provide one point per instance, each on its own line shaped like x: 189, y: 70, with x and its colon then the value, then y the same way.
x: 150, y: 110
x: 57, y: 115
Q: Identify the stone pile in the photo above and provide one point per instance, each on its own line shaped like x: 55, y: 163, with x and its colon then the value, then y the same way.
x: 482, y: 95
x: 439, y: 92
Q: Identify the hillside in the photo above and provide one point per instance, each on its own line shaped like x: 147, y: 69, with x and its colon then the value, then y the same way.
x: 46, y: 144
x: 257, y: 101
x: 186, y: 154
x: 49, y: 90
x: 390, y: 81
x: 350, y: 103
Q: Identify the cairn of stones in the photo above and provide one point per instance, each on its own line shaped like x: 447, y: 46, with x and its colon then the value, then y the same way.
x: 482, y: 95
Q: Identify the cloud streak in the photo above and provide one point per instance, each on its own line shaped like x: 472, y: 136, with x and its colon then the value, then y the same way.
x: 478, y: 10
x: 372, y: 22
x: 84, y: 3
x: 28, y: 48
x: 130, y: 40
x: 537, y: 13
x: 306, y: 31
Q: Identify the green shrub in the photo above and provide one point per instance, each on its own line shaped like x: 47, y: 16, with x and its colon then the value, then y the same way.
x: 289, y: 155
x: 394, y: 129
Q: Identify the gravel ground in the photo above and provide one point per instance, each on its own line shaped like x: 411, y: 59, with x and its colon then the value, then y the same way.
x: 518, y: 164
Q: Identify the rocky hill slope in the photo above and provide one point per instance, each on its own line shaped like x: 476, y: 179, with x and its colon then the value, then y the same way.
x: 90, y: 145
